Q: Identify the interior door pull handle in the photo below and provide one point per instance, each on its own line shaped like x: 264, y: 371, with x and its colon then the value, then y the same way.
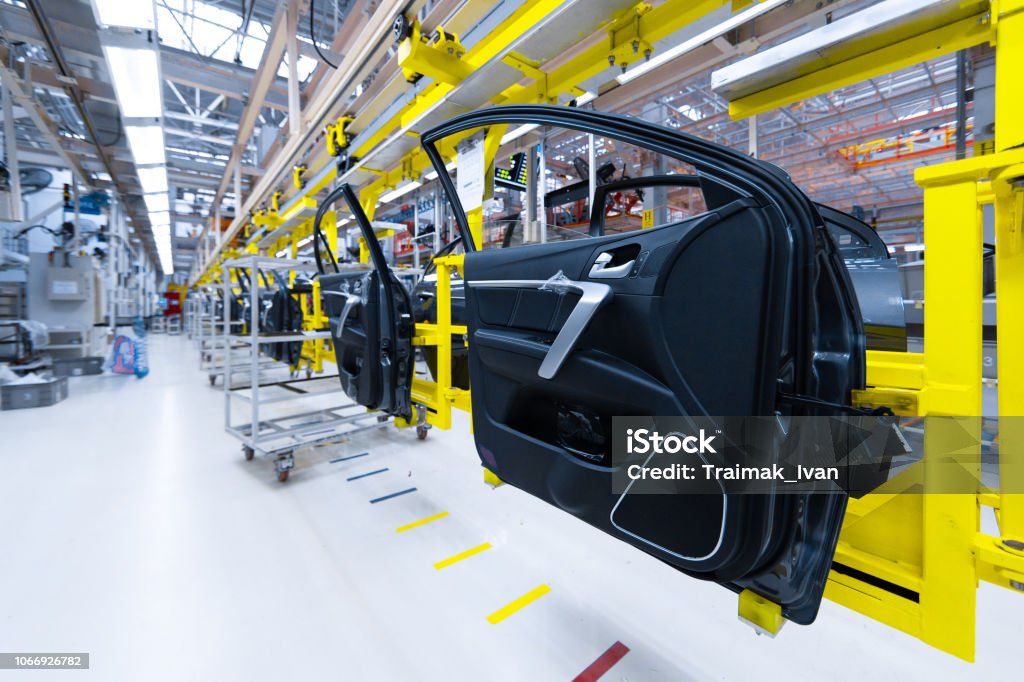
x: 350, y: 300
x: 593, y: 296
x: 600, y: 269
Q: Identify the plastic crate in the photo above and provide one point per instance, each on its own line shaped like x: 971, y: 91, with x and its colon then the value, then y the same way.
x: 20, y: 396
x: 76, y: 367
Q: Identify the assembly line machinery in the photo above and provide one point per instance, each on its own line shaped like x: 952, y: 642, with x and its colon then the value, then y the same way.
x: 914, y: 561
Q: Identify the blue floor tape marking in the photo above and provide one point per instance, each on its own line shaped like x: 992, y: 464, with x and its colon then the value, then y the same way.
x: 342, y: 459
x: 388, y: 497
x: 370, y: 473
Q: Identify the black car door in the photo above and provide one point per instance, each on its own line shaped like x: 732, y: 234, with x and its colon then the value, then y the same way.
x: 875, y: 276
x: 370, y: 315
x: 730, y: 311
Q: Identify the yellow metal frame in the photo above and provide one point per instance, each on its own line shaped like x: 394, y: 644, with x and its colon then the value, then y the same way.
x: 917, y: 552
x: 439, y: 397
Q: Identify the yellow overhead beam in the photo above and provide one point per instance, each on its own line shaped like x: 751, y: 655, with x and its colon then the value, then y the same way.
x: 642, y: 23
x: 884, y: 54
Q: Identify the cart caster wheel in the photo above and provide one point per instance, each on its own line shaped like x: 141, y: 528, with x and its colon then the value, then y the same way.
x: 248, y: 452
x: 282, y: 476
x: 421, y: 432
x: 309, y: 374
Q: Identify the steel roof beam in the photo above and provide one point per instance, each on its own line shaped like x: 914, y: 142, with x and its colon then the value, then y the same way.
x: 262, y: 79
x: 219, y: 77
x: 43, y: 123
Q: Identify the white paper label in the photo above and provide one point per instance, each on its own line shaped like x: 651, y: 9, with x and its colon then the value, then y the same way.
x: 65, y: 287
x: 470, y: 171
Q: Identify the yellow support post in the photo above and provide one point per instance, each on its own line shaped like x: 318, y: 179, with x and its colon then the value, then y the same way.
x: 1008, y: 184
x: 475, y: 218
x: 950, y: 521
x: 952, y: 290
x: 440, y: 396
x: 1009, y: 223
x: 329, y: 226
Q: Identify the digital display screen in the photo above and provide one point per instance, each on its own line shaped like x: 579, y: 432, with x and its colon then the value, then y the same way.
x: 516, y: 175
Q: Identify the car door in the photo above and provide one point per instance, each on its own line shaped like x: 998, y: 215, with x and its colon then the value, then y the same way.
x: 875, y: 276
x: 370, y: 316
x: 742, y: 308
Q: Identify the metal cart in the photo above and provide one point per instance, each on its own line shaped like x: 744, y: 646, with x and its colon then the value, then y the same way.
x: 326, y: 416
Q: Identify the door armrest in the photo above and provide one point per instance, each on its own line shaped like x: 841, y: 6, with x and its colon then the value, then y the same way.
x: 593, y: 295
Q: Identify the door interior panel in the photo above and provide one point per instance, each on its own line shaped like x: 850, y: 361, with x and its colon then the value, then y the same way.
x: 283, y: 315
x: 533, y: 309
x: 370, y: 315
x: 357, y: 306
x: 705, y: 317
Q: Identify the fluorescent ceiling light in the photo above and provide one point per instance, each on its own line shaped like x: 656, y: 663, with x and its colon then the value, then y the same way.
x: 136, y: 77
x: 161, y: 219
x: 699, y: 39
x: 129, y: 13
x: 586, y: 98
x: 432, y: 175
x: 157, y: 203
x: 166, y: 262
x: 147, y: 144
x: 913, y: 247
x: 164, y: 250
x: 516, y: 133
x: 153, y: 180
x: 401, y: 191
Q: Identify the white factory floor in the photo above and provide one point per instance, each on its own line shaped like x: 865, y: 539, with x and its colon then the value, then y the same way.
x: 136, y: 532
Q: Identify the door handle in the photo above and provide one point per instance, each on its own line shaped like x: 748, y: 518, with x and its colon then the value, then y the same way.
x: 592, y: 297
x: 350, y: 300
x: 600, y: 269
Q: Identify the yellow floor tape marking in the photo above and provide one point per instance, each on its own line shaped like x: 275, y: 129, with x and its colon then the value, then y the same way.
x: 421, y: 522
x: 521, y: 603
x: 462, y: 555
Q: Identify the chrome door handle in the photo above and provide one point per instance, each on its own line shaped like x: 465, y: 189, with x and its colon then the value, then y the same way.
x: 600, y: 269
x: 350, y: 300
x: 592, y: 297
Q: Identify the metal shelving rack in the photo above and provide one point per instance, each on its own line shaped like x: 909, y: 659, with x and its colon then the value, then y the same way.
x: 278, y: 437
x: 74, y: 338
x: 213, y: 338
